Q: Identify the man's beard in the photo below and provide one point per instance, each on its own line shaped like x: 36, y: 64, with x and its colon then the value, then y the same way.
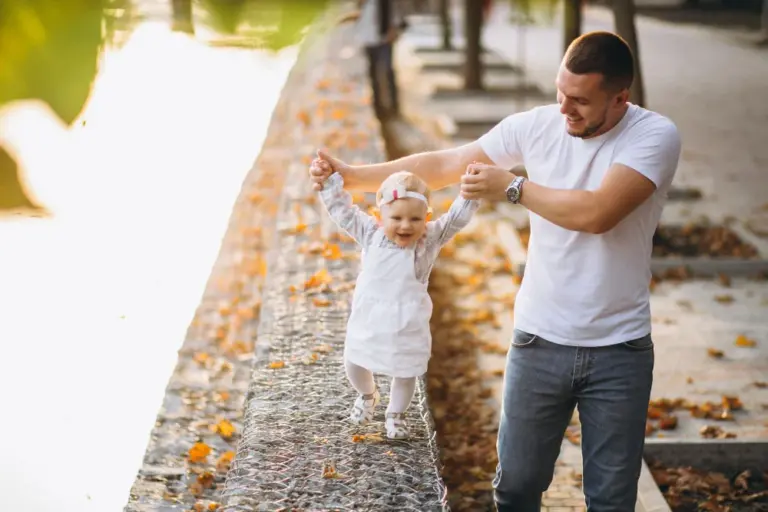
x: 590, y: 130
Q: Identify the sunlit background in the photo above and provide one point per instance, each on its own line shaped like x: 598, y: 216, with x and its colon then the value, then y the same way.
x: 95, y: 297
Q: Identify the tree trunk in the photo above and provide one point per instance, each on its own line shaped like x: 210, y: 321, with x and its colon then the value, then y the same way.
x: 446, y: 24
x: 182, y: 16
x: 765, y: 21
x: 572, y: 22
x: 624, y: 20
x: 473, y: 29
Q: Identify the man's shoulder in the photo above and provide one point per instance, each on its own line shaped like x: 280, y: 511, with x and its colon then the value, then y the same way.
x: 539, y: 117
x: 644, y: 120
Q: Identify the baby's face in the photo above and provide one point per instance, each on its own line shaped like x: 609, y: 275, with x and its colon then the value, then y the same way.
x: 404, y: 220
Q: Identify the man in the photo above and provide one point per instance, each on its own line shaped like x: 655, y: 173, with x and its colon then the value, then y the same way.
x: 599, y: 169
x: 380, y: 23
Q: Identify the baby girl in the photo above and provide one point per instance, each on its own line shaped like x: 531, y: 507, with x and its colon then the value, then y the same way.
x: 388, y: 329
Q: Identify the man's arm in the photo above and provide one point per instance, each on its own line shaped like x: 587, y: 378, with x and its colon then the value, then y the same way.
x: 438, y: 169
x: 592, y: 211
x: 636, y: 173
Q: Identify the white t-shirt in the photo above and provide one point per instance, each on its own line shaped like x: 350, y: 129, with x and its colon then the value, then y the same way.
x: 579, y: 288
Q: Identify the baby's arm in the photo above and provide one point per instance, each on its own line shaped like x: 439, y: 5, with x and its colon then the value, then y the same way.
x: 358, y: 224
x: 454, y: 220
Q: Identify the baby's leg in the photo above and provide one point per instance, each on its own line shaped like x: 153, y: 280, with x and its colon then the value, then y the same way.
x: 360, y: 378
x: 400, y: 398
x: 365, y: 404
x: 401, y: 394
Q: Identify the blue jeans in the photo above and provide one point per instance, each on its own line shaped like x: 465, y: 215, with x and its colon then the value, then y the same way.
x: 543, y: 383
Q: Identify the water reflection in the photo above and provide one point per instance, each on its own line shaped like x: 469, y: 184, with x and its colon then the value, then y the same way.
x: 95, y: 298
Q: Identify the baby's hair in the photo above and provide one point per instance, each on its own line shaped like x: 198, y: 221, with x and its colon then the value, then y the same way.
x: 412, y: 184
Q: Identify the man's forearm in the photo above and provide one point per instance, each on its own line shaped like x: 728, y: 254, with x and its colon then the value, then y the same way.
x: 436, y: 168
x: 569, y: 209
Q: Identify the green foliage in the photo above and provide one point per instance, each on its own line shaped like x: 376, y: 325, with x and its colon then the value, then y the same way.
x: 49, y: 51
x: 274, y: 24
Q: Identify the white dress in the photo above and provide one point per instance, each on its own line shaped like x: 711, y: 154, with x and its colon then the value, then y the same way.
x: 388, y: 330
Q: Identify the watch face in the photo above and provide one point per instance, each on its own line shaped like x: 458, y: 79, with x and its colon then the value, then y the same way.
x: 513, y: 194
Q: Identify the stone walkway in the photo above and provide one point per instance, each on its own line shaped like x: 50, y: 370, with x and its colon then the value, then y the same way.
x: 271, y: 327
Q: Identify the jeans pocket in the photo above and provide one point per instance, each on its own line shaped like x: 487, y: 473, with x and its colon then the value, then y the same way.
x: 640, y: 344
x: 522, y: 339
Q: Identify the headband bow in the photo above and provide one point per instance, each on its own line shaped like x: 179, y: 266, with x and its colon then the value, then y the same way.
x: 398, y: 191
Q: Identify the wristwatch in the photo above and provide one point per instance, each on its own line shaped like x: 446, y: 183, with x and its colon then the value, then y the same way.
x: 515, y: 190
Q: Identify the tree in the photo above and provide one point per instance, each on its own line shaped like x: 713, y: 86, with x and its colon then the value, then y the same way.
x: 446, y: 24
x: 473, y: 29
x: 624, y: 21
x: 182, y: 16
x: 571, y: 22
x: 764, y: 23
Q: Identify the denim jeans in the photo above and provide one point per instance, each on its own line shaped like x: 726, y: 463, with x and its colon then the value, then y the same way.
x: 543, y: 383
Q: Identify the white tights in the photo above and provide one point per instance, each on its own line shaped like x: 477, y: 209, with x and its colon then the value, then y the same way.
x: 401, y: 390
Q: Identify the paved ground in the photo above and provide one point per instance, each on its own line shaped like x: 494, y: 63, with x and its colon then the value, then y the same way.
x: 722, y: 117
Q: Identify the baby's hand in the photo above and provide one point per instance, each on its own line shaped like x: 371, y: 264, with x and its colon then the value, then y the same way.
x: 322, y: 167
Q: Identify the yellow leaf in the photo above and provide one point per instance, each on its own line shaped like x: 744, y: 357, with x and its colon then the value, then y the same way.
x: 199, y: 452
x: 321, y: 303
x: 225, y: 429
x: 743, y: 341
x: 201, y: 358
x: 222, y: 465
x: 332, y: 252
x: 276, y: 365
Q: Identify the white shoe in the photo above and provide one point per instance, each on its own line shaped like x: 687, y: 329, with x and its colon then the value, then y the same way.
x: 397, y: 428
x: 365, y: 406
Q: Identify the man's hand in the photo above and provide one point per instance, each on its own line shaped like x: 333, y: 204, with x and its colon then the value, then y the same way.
x: 487, y: 182
x: 323, y: 166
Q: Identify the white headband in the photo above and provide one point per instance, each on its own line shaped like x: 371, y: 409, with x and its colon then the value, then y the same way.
x: 398, y: 191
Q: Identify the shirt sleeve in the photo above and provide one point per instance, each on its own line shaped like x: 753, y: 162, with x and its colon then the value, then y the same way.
x: 349, y: 217
x: 652, y: 149
x: 440, y: 231
x: 505, y: 143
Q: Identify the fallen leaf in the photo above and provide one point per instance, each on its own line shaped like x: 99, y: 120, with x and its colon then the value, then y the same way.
x: 225, y: 429
x: 743, y: 341
x: 199, y: 452
x: 205, y: 479
x: 360, y: 438
x: 276, y: 365
x: 668, y: 422
x: 201, y: 358
x: 329, y: 470
x: 715, y: 353
x: 224, y: 461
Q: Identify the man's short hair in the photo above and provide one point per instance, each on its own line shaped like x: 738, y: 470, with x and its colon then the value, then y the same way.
x: 604, y: 53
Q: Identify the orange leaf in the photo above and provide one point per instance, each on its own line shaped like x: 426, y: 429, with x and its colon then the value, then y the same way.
x: 743, y: 341
x: 318, y: 279
x: 321, y: 303
x: 199, y: 452
x: 332, y: 252
x: 224, y: 461
x: 276, y: 365
x: 205, y: 479
x: 713, y: 352
x: 201, y: 358
x: 225, y: 429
